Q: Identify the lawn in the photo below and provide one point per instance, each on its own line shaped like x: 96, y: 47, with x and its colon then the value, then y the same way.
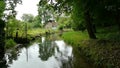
x: 74, y: 37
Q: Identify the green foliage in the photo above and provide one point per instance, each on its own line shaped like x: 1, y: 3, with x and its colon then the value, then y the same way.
x: 2, y: 7
x: 32, y: 22
x: 61, y: 27
x: 108, y: 33
x: 64, y: 22
x: 10, y: 7
x: 36, y: 32
x: 45, y: 11
x: 78, y: 16
x: 63, y: 6
x: 27, y: 18
x: 61, y: 20
x: 11, y: 26
x: 101, y: 52
x: 37, y: 22
x: 9, y: 43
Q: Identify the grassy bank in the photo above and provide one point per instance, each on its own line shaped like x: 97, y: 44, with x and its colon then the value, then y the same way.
x: 104, y: 53
x: 74, y: 38
x: 35, y: 32
x: 31, y: 34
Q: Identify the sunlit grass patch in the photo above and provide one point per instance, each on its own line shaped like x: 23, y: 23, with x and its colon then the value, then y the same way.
x: 37, y: 31
x: 75, y: 37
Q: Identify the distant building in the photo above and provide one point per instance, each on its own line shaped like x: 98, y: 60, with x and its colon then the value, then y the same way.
x: 51, y: 24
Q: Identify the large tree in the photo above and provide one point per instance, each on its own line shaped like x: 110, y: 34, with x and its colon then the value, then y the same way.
x: 80, y: 13
x: 45, y: 11
x: 86, y: 12
x: 5, y: 5
x: 2, y: 32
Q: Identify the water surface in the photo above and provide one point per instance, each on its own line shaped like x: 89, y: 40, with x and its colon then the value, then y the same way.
x: 46, y: 52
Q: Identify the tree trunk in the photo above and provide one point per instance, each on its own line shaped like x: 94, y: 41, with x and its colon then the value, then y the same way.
x: 118, y: 18
x: 94, y: 28
x: 26, y: 31
x: 2, y: 42
x: 89, y: 25
x: 17, y: 35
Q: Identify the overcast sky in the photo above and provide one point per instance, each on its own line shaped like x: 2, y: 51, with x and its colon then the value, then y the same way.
x: 28, y: 6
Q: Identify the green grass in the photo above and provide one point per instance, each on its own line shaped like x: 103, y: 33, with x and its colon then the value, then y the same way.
x: 108, y: 33
x: 37, y: 31
x: 75, y: 37
x: 103, y: 51
x: 33, y: 32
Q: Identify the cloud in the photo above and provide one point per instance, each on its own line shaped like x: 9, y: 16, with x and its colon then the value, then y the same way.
x: 28, y: 7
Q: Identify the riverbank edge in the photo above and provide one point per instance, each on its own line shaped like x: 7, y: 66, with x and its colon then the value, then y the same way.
x: 102, y: 53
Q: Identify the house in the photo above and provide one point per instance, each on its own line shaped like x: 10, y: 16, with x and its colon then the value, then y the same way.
x: 51, y: 24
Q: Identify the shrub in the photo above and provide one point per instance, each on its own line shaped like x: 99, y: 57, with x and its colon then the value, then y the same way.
x: 9, y: 43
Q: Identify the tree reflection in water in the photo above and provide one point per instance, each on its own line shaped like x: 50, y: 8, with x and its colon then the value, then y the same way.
x: 12, y: 55
x: 63, y: 54
x: 55, y: 52
x: 46, y: 48
x: 58, y: 49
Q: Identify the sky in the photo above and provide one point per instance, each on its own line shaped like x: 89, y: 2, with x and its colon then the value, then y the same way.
x: 27, y: 7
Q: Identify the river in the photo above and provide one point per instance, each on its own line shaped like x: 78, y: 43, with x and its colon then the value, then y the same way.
x: 46, y: 52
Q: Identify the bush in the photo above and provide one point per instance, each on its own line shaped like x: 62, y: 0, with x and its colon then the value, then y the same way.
x: 9, y: 43
x: 61, y: 27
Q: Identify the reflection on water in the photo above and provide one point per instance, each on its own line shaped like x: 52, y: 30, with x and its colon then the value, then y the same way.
x: 46, y: 49
x: 49, y: 53
x: 63, y: 54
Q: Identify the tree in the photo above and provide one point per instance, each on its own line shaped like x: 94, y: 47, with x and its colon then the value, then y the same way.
x: 2, y: 8
x: 64, y: 22
x: 2, y: 40
x: 37, y: 22
x: 2, y: 32
x: 85, y: 13
x: 79, y: 11
x: 5, y: 5
x: 13, y: 26
x: 27, y: 18
x: 10, y: 7
x: 45, y: 12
